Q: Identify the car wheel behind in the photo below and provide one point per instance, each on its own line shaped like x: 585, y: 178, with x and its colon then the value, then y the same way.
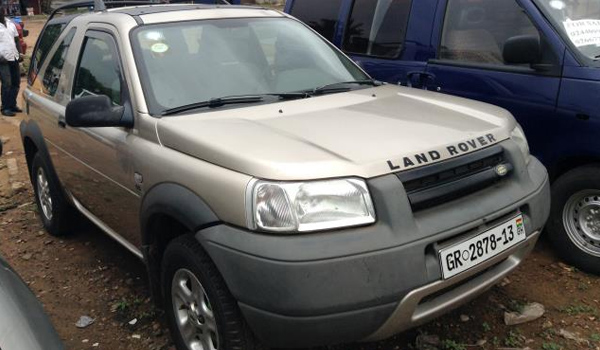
x: 574, y: 225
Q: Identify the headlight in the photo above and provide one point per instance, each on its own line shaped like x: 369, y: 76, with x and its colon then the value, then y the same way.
x: 518, y: 136
x: 309, y: 206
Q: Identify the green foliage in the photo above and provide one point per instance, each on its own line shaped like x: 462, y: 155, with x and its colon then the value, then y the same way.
x: 516, y: 305
x: 583, y: 286
x: 122, y: 305
x: 551, y: 346
x: 513, y: 339
x: 578, y: 309
x: 452, y: 345
x: 496, y: 341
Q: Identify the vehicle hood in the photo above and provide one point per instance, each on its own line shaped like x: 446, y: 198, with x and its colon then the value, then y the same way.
x: 364, y: 133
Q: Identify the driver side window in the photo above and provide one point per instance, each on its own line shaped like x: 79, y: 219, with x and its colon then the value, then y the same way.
x: 99, y: 72
x: 475, y: 32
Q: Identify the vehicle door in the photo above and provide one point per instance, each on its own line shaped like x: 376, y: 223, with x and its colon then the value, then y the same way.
x: 576, y: 22
x: 48, y: 76
x: 390, y: 39
x: 501, y: 52
x: 93, y: 164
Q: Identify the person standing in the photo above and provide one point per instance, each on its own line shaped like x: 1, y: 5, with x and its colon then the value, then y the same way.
x: 15, y: 68
x: 9, y: 55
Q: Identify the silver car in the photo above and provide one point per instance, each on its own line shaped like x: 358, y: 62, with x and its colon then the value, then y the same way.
x: 23, y: 323
x: 276, y: 193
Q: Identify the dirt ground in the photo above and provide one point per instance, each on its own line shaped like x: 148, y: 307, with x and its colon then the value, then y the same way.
x: 89, y: 274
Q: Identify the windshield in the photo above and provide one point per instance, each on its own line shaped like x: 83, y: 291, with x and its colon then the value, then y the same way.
x: 190, y: 62
x: 579, y: 21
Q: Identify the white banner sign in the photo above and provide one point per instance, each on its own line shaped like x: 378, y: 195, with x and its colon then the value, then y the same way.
x: 583, y: 32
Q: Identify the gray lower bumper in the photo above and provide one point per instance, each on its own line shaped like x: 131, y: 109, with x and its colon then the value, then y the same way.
x: 412, y: 312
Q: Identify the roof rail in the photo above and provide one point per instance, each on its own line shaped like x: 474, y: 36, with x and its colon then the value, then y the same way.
x: 101, y: 5
x: 224, y: 2
x: 72, y: 5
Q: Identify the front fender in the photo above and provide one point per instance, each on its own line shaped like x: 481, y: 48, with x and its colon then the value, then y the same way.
x: 177, y: 202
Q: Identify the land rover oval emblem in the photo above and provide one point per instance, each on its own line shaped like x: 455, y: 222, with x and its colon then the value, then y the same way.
x: 501, y: 170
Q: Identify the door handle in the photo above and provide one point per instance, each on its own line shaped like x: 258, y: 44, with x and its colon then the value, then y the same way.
x: 424, y: 78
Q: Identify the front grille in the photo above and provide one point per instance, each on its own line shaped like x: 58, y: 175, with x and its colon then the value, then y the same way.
x: 440, y: 183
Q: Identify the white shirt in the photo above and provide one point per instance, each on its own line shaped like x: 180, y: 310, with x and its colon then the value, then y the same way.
x: 12, y: 27
x: 8, y: 48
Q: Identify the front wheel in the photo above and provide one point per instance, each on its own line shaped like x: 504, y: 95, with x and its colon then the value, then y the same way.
x: 201, y: 313
x: 574, y: 225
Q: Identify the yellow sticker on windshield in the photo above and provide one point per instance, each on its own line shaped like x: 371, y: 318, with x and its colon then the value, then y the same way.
x: 159, y: 47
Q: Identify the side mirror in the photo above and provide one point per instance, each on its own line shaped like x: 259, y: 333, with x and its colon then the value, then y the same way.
x: 94, y: 111
x: 25, y: 33
x: 522, y: 49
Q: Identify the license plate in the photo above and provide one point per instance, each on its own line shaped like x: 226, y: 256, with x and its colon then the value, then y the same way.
x: 472, y: 252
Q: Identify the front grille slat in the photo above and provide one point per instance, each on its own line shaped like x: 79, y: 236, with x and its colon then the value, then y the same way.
x: 440, y: 183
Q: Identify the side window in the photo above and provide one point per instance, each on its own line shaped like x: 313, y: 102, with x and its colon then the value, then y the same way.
x: 320, y: 15
x: 46, y: 41
x: 99, y: 72
x: 377, y: 28
x: 475, y: 32
x: 55, y: 66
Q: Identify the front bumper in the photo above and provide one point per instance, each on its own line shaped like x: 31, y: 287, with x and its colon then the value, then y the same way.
x: 369, y: 283
x: 415, y: 308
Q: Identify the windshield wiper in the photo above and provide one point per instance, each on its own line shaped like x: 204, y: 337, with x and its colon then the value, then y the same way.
x: 338, y: 87
x: 213, y: 103
x: 289, y: 95
x: 228, y: 100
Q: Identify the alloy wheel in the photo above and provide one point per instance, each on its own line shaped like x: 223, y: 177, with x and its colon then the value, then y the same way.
x: 43, y: 193
x: 193, y: 312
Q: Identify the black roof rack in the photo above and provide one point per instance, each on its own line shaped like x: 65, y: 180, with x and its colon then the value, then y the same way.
x: 100, y: 5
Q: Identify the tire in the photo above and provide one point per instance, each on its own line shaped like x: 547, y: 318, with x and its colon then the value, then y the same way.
x: 56, y: 213
x: 185, y: 260
x: 574, y: 225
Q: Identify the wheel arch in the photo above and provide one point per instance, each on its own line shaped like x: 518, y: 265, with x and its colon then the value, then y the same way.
x: 565, y: 165
x: 33, y: 143
x: 168, y: 211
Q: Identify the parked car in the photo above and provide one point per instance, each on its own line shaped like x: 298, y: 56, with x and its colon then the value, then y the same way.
x: 537, y: 58
x: 273, y: 189
x: 23, y: 323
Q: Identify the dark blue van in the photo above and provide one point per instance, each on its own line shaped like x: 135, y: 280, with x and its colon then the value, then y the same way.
x: 540, y: 59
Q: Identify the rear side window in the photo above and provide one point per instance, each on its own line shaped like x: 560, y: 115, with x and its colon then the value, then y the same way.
x: 47, y: 40
x: 377, y: 28
x: 475, y: 32
x: 320, y: 15
x: 55, y: 66
x: 99, y: 72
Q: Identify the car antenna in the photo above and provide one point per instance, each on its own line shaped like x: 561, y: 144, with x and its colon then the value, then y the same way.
x: 99, y: 5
